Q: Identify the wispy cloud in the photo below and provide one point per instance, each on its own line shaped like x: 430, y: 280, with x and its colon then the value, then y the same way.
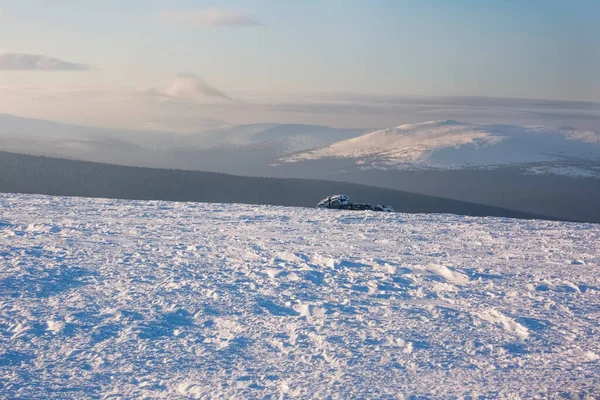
x: 208, y: 17
x: 36, y: 62
x: 189, y: 86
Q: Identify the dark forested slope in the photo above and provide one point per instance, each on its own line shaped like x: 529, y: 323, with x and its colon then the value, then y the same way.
x: 43, y: 175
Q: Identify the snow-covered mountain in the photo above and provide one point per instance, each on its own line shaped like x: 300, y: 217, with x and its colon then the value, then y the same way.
x: 133, y: 299
x: 456, y: 145
x: 252, y: 149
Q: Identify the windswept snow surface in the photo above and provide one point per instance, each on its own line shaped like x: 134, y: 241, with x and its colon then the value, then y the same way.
x: 126, y: 299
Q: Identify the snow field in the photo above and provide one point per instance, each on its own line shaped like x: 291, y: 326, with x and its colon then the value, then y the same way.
x: 125, y: 299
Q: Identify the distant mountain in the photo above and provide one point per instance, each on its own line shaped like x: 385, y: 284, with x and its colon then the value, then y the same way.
x: 538, y: 170
x: 541, y: 170
x: 287, y: 137
x: 255, y: 149
x: 247, y: 148
x: 52, y: 176
x: 456, y: 145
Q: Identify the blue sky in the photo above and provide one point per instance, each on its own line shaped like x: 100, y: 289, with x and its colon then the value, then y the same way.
x: 525, y: 49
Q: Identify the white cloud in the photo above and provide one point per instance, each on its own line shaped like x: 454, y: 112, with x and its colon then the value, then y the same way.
x: 1, y: 12
x: 188, y: 86
x: 36, y: 62
x: 187, y: 104
x: 208, y: 17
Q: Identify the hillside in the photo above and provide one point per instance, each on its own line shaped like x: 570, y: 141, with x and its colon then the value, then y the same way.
x: 458, y: 145
x: 43, y: 175
x: 230, y: 149
x: 135, y: 299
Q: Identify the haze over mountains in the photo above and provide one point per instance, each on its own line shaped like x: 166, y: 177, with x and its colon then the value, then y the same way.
x: 443, y: 144
x: 246, y: 149
x: 552, y: 171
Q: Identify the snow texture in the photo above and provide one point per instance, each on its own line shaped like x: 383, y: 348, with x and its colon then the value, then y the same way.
x: 130, y: 299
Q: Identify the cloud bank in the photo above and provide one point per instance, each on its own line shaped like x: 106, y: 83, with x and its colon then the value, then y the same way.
x: 189, y: 104
x: 208, y: 17
x: 36, y: 62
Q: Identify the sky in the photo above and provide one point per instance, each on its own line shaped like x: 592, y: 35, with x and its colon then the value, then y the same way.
x: 182, y: 64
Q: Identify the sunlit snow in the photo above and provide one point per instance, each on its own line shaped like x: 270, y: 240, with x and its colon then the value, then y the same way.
x: 456, y: 145
x: 125, y: 299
